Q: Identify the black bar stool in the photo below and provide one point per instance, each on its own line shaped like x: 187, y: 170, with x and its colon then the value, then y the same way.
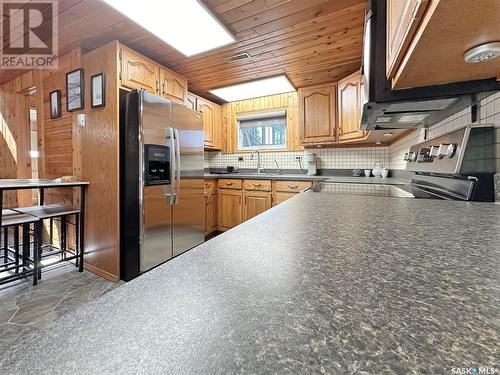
x: 15, y: 263
x: 56, y: 212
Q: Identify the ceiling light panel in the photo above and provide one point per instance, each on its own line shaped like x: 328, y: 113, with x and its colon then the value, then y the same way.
x: 186, y: 25
x: 254, y: 89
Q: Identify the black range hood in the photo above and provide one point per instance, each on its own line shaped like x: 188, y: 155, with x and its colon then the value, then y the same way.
x: 409, y: 108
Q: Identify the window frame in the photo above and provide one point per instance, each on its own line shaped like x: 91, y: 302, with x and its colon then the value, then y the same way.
x: 256, y: 113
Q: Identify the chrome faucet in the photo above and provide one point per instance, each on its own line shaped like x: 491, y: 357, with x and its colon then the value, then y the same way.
x: 278, y: 170
x: 259, y: 170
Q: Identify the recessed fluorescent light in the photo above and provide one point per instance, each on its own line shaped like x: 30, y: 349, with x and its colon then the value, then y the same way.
x: 254, y: 89
x: 186, y: 25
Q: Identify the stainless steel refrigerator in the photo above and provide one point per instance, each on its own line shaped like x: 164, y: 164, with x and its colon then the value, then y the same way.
x: 162, y: 198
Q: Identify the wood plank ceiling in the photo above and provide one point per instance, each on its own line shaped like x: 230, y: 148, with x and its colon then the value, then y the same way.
x: 312, y: 41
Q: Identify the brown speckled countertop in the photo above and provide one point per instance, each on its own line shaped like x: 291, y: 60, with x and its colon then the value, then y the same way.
x: 321, y: 283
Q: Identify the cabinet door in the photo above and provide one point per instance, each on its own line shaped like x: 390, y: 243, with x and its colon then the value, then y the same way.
x: 230, y: 208
x: 281, y: 197
x: 191, y: 101
x: 256, y: 202
x: 349, y: 108
x: 317, y: 114
x: 403, y: 18
x: 212, y: 122
x: 210, y: 213
x: 173, y: 86
x: 137, y: 72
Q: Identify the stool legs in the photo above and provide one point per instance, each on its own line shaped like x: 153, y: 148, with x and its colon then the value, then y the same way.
x: 6, y: 244
x: 37, y: 252
x: 64, y: 229
x: 26, y: 246
x: 16, y: 248
x: 77, y: 240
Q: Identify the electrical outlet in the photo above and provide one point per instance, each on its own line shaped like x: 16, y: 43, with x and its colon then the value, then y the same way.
x: 240, y: 158
x: 298, y: 158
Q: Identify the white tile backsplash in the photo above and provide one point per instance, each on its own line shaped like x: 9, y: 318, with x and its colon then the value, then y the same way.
x: 489, y: 113
x: 328, y: 158
x: 365, y: 157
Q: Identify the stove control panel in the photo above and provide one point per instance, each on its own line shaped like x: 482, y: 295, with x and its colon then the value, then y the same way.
x: 439, y: 155
x: 424, y: 155
x: 457, y: 152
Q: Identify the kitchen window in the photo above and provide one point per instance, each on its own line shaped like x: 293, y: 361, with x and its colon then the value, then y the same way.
x: 262, y: 130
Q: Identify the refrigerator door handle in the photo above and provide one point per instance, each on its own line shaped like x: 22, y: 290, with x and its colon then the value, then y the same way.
x: 177, y: 166
x: 170, y: 136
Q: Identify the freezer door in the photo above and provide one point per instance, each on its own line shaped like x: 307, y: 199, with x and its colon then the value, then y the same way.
x: 189, y: 209
x: 155, y: 206
x: 157, y: 229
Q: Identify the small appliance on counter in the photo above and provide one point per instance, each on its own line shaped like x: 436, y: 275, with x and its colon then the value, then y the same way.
x: 311, y: 158
x: 223, y: 170
x: 377, y: 169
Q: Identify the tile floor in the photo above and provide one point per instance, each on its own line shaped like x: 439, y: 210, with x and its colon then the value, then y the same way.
x: 25, y: 308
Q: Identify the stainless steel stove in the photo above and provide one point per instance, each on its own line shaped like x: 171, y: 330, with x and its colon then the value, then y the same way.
x: 458, y: 166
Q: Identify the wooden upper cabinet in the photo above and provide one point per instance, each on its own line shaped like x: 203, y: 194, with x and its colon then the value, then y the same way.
x: 349, y: 102
x: 173, y: 86
x: 191, y: 101
x: 212, y: 122
x: 403, y: 18
x: 318, y: 114
x: 256, y: 202
x: 138, y: 72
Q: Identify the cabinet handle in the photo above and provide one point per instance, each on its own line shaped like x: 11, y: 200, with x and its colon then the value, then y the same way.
x: 293, y: 187
x: 229, y: 183
x: 240, y: 200
x: 257, y: 185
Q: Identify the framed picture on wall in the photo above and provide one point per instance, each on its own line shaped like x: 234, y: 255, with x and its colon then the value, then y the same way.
x: 74, y: 90
x: 98, y: 90
x: 55, y: 104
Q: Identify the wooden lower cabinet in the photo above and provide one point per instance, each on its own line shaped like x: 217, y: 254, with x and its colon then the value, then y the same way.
x: 211, y: 219
x: 240, y: 200
x: 256, y: 202
x: 280, y: 197
x: 230, y: 208
x: 284, y: 190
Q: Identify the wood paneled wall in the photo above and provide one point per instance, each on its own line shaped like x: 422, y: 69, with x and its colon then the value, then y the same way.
x: 231, y: 111
x: 98, y: 158
x: 58, y: 134
x: 90, y: 153
x: 15, y: 161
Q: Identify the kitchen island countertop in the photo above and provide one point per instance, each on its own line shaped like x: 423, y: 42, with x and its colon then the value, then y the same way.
x: 321, y: 283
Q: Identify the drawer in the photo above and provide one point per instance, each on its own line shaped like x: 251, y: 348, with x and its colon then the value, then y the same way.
x: 229, y: 184
x: 210, y: 187
x: 260, y: 185
x: 292, y: 186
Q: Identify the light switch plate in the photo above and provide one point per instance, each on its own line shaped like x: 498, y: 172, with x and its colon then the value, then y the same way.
x: 81, y: 120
